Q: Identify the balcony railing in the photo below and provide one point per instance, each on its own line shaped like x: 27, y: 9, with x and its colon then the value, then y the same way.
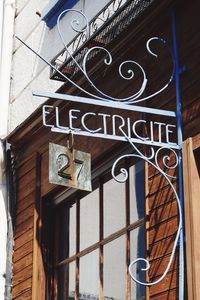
x: 115, y: 17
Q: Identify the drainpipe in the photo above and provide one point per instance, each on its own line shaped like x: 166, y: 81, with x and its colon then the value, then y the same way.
x: 7, y: 15
x: 3, y: 220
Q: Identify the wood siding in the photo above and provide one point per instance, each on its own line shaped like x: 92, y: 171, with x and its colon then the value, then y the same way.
x: 162, y: 229
x: 25, y: 235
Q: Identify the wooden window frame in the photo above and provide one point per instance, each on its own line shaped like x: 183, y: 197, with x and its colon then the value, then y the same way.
x: 104, y: 240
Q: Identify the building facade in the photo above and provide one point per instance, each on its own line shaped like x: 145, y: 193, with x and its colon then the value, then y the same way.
x: 69, y: 243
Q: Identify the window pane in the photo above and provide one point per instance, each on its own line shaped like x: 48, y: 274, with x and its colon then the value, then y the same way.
x: 71, y: 280
x: 136, y: 181
x: 115, y: 269
x: 137, y: 238
x: 114, y: 206
x: 89, y: 276
x: 72, y: 230
x: 89, y: 219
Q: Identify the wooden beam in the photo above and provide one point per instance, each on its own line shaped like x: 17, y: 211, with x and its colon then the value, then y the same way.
x: 39, y: 277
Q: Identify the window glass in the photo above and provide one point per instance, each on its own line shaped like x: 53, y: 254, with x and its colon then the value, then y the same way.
x: 114, y: 206
x: 72, y: 230
x: 89, y: 219
x: 136, y: 182
x: 89, y: 275
x: 72, y: 280
x: 137, y: 244
x: 114, y: 274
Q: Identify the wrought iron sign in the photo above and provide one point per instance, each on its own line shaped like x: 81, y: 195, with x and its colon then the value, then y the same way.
x: 160, y: 146
x: 118, y: 123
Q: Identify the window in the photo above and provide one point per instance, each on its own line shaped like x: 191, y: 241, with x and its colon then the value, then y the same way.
x: 96, y: 236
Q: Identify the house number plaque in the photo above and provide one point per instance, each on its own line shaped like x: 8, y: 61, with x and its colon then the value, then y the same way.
x: 69, y: 167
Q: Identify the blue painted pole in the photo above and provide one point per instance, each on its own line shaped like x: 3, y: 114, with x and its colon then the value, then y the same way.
x: 180, y: 142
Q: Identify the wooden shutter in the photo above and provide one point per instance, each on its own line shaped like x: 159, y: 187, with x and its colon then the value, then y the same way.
x: 191, y: 165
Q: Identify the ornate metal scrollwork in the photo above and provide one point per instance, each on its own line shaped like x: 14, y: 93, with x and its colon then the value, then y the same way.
x: 154, y: 155
x: 98, y: 94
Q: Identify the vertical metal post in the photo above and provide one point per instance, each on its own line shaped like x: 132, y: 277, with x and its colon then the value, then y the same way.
x: 180, y: 141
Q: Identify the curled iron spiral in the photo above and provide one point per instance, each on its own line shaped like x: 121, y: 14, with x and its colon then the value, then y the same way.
x: 155, y: 164
x: 98, y: 94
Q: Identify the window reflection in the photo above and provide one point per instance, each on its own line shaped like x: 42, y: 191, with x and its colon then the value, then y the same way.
x: 114, y: 206
x: 136, y: 182
x: 89, y: 275
x: 89, y: 219
x: 115, y: 269
x: 72, y: 230
x: 137, y: 243
x: 71, y: 280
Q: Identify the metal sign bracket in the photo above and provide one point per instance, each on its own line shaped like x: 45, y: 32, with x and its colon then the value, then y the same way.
x: 157, y: 149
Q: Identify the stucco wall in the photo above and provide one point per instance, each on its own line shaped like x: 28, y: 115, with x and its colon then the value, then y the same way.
x: 28, y: 71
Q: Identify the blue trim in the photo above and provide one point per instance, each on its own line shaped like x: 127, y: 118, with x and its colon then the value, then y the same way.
x: 178, y: 71
x: 51, y: 17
